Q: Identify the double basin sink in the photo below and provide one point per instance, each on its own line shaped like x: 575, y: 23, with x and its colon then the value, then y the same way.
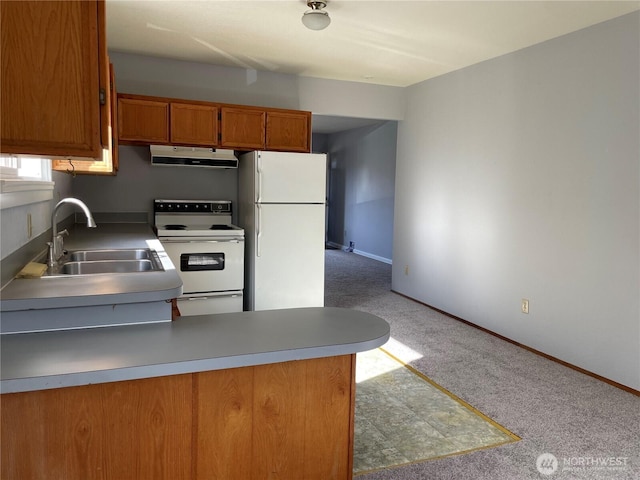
x: 92, y: 262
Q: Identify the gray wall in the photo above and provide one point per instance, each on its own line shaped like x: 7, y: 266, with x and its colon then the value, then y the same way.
x: 319, y: 143
x: 361, y: 189
x: 519, y: 178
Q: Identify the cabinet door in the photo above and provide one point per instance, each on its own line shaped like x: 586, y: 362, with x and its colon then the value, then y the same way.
x: 194, y: 124
x: 108, y: 164
x: 242, y: 128
x: 50, y: 78
x: 288, y: 131
x: 143, y: 121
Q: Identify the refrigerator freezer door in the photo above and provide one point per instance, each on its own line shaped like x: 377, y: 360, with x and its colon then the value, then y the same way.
x: 289, y: 271
x: 290, y: 177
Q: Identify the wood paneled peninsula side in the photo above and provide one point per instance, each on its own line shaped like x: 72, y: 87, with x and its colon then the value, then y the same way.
x: 250, y: 395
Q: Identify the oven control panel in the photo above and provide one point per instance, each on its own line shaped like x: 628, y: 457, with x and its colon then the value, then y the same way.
x: 192, y: 206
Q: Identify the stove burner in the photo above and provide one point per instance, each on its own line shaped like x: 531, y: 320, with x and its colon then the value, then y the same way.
x: 220, y: 227
x: 175, y: 227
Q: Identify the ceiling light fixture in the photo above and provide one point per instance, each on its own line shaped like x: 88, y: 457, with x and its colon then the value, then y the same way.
x: 316, y: 18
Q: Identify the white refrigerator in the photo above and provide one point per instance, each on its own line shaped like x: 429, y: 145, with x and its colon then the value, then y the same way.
x: 281, y: 206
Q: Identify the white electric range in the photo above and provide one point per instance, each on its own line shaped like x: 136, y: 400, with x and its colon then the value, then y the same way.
x: 208, y: 251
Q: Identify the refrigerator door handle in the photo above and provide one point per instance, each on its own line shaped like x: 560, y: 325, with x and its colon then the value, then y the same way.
x: 259, y: 175
x: 258, y: 229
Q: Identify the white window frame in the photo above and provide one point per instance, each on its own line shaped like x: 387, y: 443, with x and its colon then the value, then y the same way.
x: 23, y: 186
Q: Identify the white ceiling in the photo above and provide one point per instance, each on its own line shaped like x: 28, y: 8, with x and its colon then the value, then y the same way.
x: 397, y: 43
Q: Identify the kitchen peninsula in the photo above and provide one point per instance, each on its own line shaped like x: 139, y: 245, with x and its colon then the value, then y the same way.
x: 231, y: 396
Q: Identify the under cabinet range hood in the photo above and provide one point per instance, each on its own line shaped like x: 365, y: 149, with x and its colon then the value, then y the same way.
x: 167, y: 155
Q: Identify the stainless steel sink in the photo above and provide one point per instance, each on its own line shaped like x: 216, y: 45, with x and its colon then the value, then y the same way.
x: 92, y: 255
x: 107, y: 266
x: 96, y: 262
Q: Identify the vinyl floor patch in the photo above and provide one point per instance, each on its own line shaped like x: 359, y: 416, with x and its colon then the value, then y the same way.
x: 404, y: 417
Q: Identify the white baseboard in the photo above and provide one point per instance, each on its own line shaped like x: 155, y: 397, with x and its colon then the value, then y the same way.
x: 374, y: 257
x: 361, y: 253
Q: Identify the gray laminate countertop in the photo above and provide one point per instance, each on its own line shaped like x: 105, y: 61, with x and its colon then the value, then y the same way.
x: 90, y: 290
x: 40, y: 361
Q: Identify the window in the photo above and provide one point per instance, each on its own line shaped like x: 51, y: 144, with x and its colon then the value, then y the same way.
x: 24, y: 179
x: 25, y: 167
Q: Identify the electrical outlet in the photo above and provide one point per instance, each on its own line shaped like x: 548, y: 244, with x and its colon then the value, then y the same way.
x: 525, y: 305
x: 406, y: 269
x: 29, y: 226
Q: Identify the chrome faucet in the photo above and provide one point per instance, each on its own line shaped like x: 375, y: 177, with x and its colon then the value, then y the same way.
x: 56, y: 245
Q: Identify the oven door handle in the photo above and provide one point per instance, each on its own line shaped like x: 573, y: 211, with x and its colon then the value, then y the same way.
x: 258, y: 229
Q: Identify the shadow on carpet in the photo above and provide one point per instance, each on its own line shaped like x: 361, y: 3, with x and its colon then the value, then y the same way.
x: 403, y: 417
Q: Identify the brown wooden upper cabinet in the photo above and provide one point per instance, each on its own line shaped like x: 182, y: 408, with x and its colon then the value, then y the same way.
x: 142, y: 121
x: 288, y: 131
x: 55, y: 78
x: 194, y: 124
x: 242, y: 128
